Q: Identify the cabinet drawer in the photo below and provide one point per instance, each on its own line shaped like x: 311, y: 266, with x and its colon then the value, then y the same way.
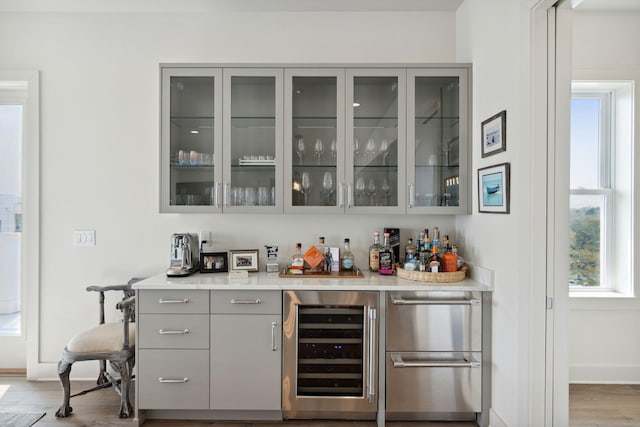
x: 173, y: 301
x: 426, y: 385
x: 246, y: 302
x: 173, y: 331
x: 173, y: 379
x: 434, y: 321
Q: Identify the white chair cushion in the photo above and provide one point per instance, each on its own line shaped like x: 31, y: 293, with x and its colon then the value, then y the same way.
x: 105, y: 338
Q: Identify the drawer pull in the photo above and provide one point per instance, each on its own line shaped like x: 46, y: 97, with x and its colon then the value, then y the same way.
x: 399, y: 362
x: 402, y: 301
x: 173, y: 301
x: 173, y: 332
x: 173, y: 380
x: 246, y: 301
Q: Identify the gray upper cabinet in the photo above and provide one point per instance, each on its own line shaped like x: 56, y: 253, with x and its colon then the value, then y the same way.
x: 317, y: 139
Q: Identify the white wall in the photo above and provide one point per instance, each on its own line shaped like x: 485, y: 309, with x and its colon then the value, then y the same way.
x: 100, y: 141
x: 604, y: 333
x: 492, y: 35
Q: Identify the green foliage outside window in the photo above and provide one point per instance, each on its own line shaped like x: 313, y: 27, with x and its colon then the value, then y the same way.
x: 584, y: 247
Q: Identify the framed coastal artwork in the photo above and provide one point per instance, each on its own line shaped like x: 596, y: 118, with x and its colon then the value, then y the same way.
x: 494, y: 189
x: 494, y: 134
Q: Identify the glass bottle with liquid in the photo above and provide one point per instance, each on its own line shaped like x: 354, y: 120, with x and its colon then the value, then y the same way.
x: 386, y: 257
x: 297, y: 260
x: 374, y: 253
x: 346, y: 258
x: 449, y: 260
x: 434, y: 265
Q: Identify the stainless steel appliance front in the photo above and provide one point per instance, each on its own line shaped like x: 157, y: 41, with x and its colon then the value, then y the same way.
x: 330, y: 348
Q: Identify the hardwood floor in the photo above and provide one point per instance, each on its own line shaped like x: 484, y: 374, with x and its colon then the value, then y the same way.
x: 590, y: 406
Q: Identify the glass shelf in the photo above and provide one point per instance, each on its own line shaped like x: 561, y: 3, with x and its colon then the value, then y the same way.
x: 253, y: 122
x: 314, y: 123
x: 375, y: 122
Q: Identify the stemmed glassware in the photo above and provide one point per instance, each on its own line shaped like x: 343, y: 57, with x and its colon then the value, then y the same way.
x: 327, y: 188
x: 360, y: 187
x: 386, y: 190
x: 384, y: 149
x: 300, y: 149
x: 370, y: 148
x: 371, y: 191
x: 356, y: 147
x: 334, y: 148
x: 318, y: 149
x: 305, y: 181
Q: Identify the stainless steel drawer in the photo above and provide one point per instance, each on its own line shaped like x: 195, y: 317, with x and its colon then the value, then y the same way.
x: 173, y: 379
x: 433, y: 385
x: 173, y: 301
x: 173, y: 331
x: 246, y: 302
x: 434, y: 321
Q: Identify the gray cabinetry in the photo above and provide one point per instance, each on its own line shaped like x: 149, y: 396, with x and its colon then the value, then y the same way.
x: 246, y: 351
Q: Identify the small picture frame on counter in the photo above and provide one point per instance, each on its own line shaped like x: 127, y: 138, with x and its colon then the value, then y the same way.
x: 493, y: 189
x: 244, y: 259
x: 214, y: 262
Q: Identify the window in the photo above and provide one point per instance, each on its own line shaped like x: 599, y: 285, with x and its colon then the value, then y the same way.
x: 600, y: 219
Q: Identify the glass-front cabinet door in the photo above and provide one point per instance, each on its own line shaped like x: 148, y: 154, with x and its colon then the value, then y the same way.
x: 191, y: 140
x: 376, y: 141
x: 314, y: 140
x: 253, y: 138
x: 438, y: 141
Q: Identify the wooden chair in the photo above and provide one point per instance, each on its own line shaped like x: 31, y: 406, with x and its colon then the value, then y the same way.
x: 113, y: 342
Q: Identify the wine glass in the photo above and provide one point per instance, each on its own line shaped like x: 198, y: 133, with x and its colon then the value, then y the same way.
x: 384, y: 149
x: 360, y: 187
x: 334, y: 148
x: 371, y: 191
x: 300, y: 149
x: 356, y: 147
x: 370, y: 148
x: 327, y: 187
x: 305, y: 181
x: 386, y: 190
x: 318, y: 149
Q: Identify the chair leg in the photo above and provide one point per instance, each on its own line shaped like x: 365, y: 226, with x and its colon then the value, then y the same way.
x: 102, y: 377
x: 123, y: 368
x: 64, y: 369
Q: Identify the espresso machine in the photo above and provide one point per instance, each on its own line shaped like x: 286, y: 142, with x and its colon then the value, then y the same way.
x: 185, y: 255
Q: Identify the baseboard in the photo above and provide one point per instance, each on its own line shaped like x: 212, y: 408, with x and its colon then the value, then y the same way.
x: 16, y: 372
x: 495, y: 420
x: 604, y: 374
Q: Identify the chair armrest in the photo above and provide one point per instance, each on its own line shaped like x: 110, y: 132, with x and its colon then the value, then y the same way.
x: 126, y: 303
x: 96, y: 288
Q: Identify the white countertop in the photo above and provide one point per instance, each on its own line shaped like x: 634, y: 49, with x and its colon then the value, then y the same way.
x: 481, y: 280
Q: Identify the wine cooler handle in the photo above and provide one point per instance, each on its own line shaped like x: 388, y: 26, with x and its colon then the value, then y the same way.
x: 399, y: 362
x: 349, y: 195
x: 216, y: 194
x: 402, y: 301
x: 274, y: 339
x: 412, y: 195
x: 225, y: 194
x: 341, y: 195
x: 371, y: 380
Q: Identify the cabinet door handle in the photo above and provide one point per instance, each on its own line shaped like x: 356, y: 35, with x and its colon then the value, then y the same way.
x: 371, y: 380
x: 402, y: 301
x: 246, y: 301
x: 173, y: 380
x: 274, y: 331
x: 349, y: 195
x: 341, y: 195
x: 399, y: 362
x: 173, y: 301
x: 412, y: 195
x: 225, y: 194
x: 173, y: 331
x: 216, y: 194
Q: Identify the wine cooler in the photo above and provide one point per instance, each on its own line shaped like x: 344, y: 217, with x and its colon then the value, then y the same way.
x: 330, y: 348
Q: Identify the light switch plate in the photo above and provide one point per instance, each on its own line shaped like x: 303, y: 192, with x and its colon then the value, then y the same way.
x: 84, y: 237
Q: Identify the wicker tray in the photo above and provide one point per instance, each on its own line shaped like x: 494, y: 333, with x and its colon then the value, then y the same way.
x: 426, y: 276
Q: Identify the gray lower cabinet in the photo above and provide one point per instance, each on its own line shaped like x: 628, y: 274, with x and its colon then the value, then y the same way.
x: 245, y: 350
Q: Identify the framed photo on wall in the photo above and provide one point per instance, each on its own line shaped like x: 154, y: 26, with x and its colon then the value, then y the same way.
x: 245, y: 259
x: 494, y: 134
x: 213, y: 262
x: 494, y: 189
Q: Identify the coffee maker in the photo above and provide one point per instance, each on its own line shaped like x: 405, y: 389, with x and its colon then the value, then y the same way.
x: 185, y: 254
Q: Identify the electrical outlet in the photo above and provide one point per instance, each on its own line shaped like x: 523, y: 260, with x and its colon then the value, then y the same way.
x: 84, y: 237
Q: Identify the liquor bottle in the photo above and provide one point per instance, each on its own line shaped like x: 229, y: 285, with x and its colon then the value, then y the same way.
x: 297, y: 260
x: 449, y: 260
x: 346, y: 258
x: 436, y: 237
x: 386, y: 257
x: 460, y: 260
x: 435, y: 262
x: 323, y: 250
x: 411, y: 263
x: 427, y: 242
x: 374, y: 253
x: 409, y: 246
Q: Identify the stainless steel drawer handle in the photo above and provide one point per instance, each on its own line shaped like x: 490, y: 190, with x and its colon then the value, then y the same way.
x: 173, y: 332
x: 173, y: 380
x: 173, y: 301
x: 402, y: 301
x: 274, y: 337
x: 246, y: 301
x: 399, y: 362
